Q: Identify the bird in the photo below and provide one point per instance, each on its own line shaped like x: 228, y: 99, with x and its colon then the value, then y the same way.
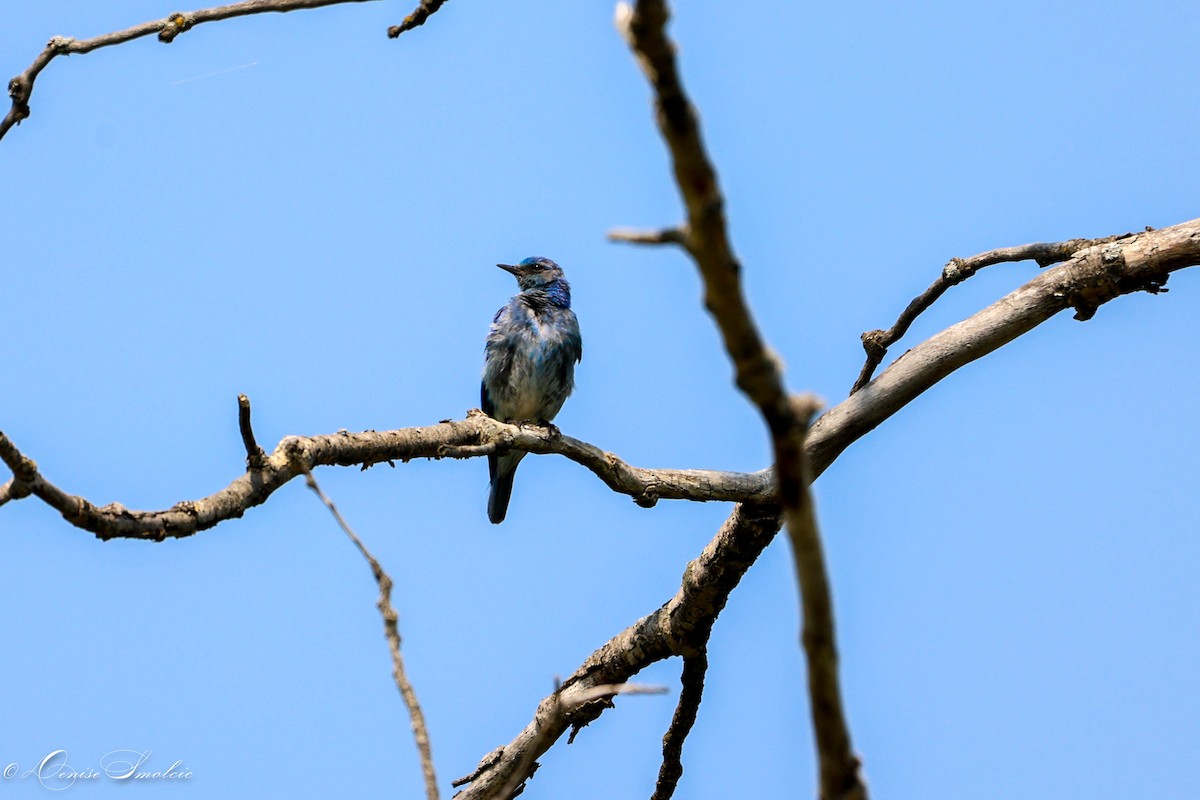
x: 529, y: 363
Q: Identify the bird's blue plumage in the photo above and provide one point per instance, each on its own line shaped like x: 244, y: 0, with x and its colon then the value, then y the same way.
x: 529, y: 362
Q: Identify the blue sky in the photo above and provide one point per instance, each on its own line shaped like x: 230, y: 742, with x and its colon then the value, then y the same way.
x: 295, y: 207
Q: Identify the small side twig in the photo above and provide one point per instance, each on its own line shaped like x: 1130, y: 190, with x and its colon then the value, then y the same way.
x: 392, y: 632
x: 256, y: 458
x: 675, y: 235
x: 957, y: 270
x: 692, y: 681
x: 417, y: 18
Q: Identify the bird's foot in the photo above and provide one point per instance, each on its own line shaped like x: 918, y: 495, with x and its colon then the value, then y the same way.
x: 550, y: 428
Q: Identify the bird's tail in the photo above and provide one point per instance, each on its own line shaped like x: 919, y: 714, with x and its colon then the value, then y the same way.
x: 498, y: 496
x: 501, y: 487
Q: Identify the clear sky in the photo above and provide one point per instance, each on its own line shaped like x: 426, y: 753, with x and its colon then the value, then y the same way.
x: 295, y: 207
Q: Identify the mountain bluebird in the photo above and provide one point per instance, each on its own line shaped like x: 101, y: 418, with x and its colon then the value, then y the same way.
x: 529, y: 362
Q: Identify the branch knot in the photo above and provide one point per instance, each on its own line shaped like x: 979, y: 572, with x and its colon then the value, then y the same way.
x: 175, y: 24
x: 956, y: 271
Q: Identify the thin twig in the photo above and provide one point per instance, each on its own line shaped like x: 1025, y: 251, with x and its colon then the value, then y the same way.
x: 21, y: 87
x: 424, y: 11
x: 692, y: 681
x: 957, y: 270
x: 392, y: 631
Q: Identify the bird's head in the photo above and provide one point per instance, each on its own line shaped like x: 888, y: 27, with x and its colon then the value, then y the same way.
x: 534, y: 272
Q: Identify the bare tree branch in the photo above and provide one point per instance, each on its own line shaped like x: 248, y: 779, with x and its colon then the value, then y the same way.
x: 477, y: 435
x: 21, y: 87
x: 758, y: 374
x: 877, y: 342
x: 692, y: 680
x: 391, y: 630
x: 424, y: 11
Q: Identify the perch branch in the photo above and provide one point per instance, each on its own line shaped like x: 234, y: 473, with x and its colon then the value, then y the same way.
x: 476, y: 435
x: 877, y: 342
x: 391, y: 630
x: 758, y: 374
x: 21, y: 87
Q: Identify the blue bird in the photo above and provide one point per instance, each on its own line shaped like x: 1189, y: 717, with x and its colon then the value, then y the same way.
x: 529, y: 362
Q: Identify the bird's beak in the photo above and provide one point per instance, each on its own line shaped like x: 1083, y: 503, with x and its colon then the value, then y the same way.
x: 509, y: 268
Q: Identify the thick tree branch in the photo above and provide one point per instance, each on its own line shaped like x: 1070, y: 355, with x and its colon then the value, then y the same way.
x: 680, y: 627
x: 758, y: 374
x: 21, y: 87
x: 877, y: 342
x: 391, y: 631
x: 478, y: 434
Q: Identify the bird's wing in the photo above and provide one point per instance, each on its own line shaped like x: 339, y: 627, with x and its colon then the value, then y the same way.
x: 574, y: 341
x: 485, y: 400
